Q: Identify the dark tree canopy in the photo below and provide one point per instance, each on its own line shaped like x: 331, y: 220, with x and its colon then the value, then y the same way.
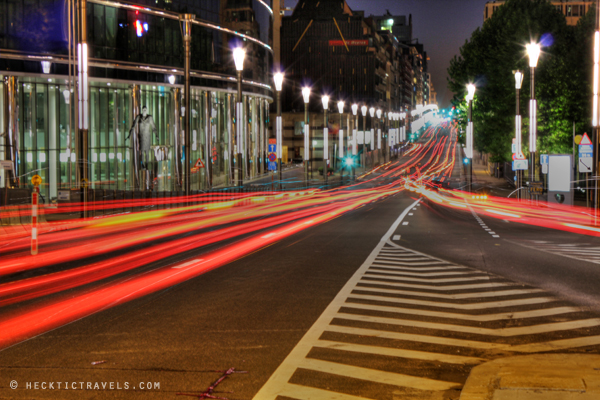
x: 562, y: 77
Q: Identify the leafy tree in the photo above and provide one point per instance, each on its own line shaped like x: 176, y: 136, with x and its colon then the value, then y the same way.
x: 494, y: 51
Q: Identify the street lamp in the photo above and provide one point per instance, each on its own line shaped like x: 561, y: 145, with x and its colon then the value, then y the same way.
x: 340, y: 105
x: 469, y: 148
x: 238, y: 57
x: 378, y: 112
x: 364, y: 109
x: 372, y: 134
x: 519, y: 149
x: 354, y: 139
x: 306, y: 96
x: 325, y: 101
x: 533, y: 51
x: 278, y: 79
x: 595, y: 107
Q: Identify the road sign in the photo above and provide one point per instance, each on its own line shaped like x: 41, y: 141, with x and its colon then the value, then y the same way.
x: 519, y: 165
x: 585, y: 148
x: 578, y: 139
x: 585, y: 164
x: 199, y: 164
x: 6, y: 164
x: 84, y: 183
x: 544, y: 159
x: 536, y: 187
x: 585, y: 140
x: 544, y: 168
x: 272, y: 156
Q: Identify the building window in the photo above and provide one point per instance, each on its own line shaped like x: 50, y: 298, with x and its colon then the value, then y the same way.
x: 569, y: 11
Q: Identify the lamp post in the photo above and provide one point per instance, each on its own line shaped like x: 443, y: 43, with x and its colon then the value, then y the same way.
x: 278, y: 79
x: 533, y: 51
x: 325, y: 101
x: 187, y: 38
x: 372, y: 133
x: 378, y: 113
x: 519, y: 149
x: 306, y: 96
x: 354, y: 139
x: 238, y: 57
x: 469, y: 147
x: 364, y: 110
x: 340, y: 105
x: 595, y: 109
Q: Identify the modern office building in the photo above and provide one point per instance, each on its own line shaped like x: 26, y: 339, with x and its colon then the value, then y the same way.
x: 571, y: 9
x: 54, y: 121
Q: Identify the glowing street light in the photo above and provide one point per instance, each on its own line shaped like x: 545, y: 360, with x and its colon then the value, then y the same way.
x: 238, y: 57
x: 306, y: 96
x: 325, y: 101
x: 278, y: 79
x: 469, y: 148
x: 354, y: 138
x: 340, y: 105
x: 533, y: 51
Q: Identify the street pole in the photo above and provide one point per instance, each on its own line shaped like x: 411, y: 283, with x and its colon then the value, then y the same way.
x: 469, y: 149
x: 533, y: 50
x: 354, y: 139
x: 363, y: 147
x: 278, y: 78
x: 82, y: 67
x: 518, y: 82
x: 325, y: 100
x: 341, y: 139
x: 187, y: 38
x: 238, y: 56
x: 306, y: 96
x: 595, y: 111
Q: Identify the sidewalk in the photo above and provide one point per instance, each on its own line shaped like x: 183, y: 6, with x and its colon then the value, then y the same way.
x: 536, y: 377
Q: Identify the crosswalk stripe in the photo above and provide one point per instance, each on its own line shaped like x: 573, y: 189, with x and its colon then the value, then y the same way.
x: 387, y: 378
x: 433, y: 262
x: 424, y: 269
x: 422, y: 274
x: 401, y: 353
x: 560, y: 344
x: 469, y: 306
x: 300, y: 392
x: 370, y: 279
x: 411, y: 337
x: 467, y: 317
x: 432, y: 280
x: 502, y: 332
x: 458, y: 296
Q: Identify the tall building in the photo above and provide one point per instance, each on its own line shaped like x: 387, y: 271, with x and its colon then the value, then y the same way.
x: 136, y: 59
x: 571, y: 9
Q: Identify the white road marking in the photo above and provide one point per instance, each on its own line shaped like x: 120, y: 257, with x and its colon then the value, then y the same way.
x: 470, y: 306
x: 405, y: 223
x: 544, y: 312
x: 368, y: 279
x: 380, y: 269
x: 396, y: 237
x: 387, y: 378
x: 410, y: 214
x: 496, y: 236
x: 392, y: 352
x: 434, y: 280
x: 502, y: 332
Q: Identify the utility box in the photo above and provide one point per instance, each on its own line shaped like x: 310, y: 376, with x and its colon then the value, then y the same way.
x: 560, y: 176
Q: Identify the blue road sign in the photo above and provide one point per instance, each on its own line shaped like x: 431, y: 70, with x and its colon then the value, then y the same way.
x: 586, y: 148
x: 272, y: 166
x: 544, y: 159
x: 272, y: 148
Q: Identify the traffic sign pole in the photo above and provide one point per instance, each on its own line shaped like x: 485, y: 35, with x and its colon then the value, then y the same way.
x: 36, y: 180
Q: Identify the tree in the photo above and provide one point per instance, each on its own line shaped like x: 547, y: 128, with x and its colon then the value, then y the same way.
x: 494, y: 51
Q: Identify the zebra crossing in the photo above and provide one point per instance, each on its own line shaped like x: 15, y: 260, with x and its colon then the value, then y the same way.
x: 589, y: 252
x: 411, y: 326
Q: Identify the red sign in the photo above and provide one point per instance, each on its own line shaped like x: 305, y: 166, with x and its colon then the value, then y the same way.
x: 585, y: 140
x: 199, y: 164
x: 349, y: 42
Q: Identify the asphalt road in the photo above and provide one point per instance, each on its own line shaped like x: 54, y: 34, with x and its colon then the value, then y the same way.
x: 398, y: 299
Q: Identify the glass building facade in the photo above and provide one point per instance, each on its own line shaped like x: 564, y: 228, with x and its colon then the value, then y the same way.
x: 135, y: 59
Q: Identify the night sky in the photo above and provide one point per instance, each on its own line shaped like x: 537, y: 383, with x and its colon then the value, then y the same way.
x: 441, y: 25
